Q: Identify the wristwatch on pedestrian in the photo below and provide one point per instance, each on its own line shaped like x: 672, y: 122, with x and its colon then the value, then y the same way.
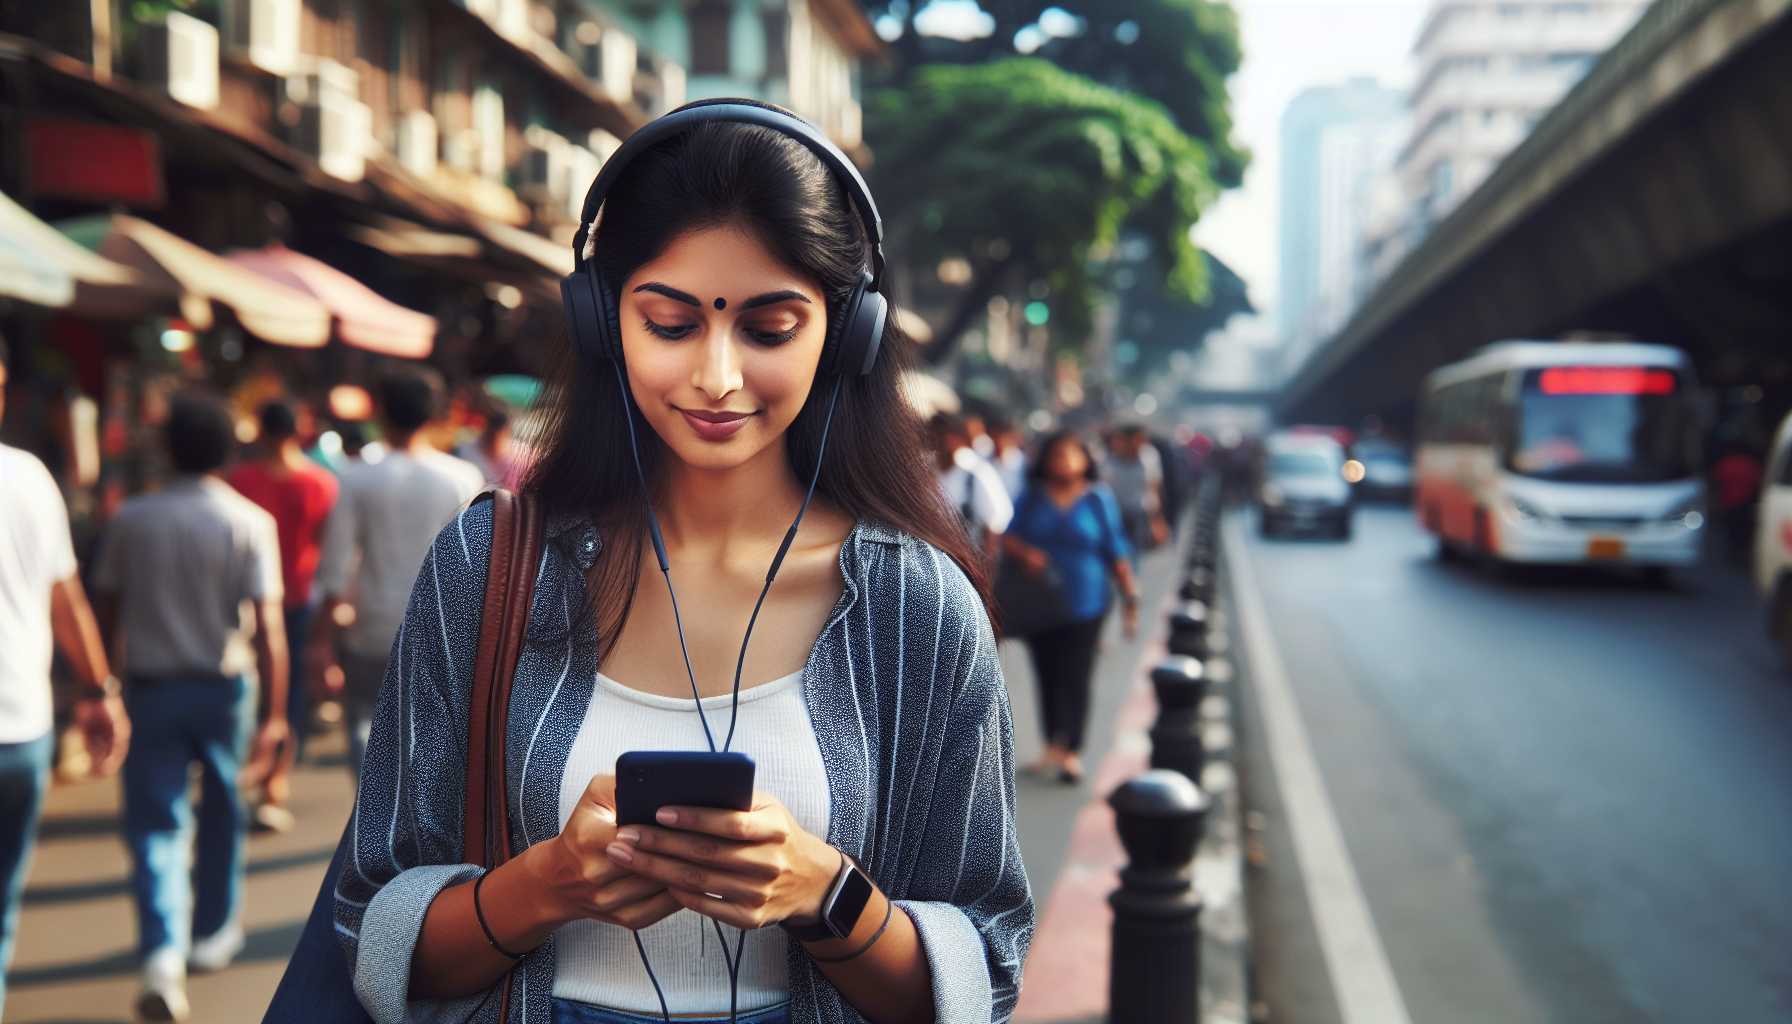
x: 840, y: 910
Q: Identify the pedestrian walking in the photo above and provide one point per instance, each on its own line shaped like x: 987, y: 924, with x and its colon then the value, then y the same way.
x: 188, y: 585
x: 374, y: 540
x: 1011, y: 456
x: 1136, y: 476
x: 43, y: 609
x: 299, y: 494
x: 1067, y: 520
x: 748, y: 326
x: 970, y: 484
x: 495, y: 451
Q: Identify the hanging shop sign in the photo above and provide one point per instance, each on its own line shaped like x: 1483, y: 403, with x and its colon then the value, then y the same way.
x: 89, y: 160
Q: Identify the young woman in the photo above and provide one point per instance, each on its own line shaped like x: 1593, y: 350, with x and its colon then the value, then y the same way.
x: 1067, y: 520
x: 871, y: 698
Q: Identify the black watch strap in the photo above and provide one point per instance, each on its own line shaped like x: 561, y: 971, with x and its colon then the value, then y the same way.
x: 841, y: 908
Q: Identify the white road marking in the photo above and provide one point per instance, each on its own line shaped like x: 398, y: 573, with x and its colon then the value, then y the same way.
x: 1361, y: 977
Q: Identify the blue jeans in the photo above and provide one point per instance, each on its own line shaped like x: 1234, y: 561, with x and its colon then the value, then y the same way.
x: 568, y: 1012
x: 173, y: 724
x: 24, y: 774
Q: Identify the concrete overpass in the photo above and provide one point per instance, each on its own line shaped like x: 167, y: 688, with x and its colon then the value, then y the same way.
x: 1655, y: 200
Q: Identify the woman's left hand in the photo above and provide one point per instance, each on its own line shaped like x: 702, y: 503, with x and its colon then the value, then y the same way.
x: 747, y: 868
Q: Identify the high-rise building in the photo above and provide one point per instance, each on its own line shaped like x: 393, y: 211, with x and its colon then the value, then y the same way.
x: 1337, y: 141
x: 1488, y: 70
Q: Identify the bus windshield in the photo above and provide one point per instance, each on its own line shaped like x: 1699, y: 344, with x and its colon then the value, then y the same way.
x: 1603, y: 425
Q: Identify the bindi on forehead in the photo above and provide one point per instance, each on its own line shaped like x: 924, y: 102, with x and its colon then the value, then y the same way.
x: 721, y: 303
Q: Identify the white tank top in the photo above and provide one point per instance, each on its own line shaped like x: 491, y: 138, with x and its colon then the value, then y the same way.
x: 597, y: 963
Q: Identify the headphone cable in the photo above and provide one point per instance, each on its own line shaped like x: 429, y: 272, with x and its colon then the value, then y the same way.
x: 659, y: 550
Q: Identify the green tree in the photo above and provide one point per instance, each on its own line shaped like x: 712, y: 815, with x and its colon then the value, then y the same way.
x: 1177, y: 52
x: 1030, y: 172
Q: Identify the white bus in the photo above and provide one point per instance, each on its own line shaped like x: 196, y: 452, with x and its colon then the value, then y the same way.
x: 1563, y: 452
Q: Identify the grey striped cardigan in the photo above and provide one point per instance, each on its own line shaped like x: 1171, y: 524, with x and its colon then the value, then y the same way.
x: 906, y: 697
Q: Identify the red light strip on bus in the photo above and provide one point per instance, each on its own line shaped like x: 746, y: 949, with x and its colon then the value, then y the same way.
x: 1606, y: 380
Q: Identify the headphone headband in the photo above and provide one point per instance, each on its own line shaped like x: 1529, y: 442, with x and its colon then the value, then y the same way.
x: 738, y: 111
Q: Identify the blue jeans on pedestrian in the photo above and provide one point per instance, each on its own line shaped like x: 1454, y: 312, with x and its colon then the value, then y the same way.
x: 566, y: 1011
x: 174, y: 723
x: 24, y: 774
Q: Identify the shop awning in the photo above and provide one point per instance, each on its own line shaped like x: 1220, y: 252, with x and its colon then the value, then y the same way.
x: 271, y: 311
x: 364, y: 319
x: 45, y: 267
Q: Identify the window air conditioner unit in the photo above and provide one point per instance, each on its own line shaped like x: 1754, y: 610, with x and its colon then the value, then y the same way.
x: 417, y: 143
x: 323, y: 77
x: 582, y: 166
x: 336, y: 131
x: 461, y: 151
x: 265, y: 31
x: 615, y: 74
x: 542, y: 176
x: 180, y: 55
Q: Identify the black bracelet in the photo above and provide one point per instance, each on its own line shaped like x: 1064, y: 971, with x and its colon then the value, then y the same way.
x: 480, y: 912
x: 889, y: 909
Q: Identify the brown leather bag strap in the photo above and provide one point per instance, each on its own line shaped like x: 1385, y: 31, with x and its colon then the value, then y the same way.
x: 504, y: 618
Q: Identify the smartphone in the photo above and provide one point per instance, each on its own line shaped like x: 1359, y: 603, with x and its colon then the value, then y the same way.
x: 647, y: 780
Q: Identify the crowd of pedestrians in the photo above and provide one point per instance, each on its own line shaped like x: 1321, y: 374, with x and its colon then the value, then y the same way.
x: 226, y: 600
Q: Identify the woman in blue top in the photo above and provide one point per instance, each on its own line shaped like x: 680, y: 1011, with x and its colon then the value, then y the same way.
x: 1066, y: 519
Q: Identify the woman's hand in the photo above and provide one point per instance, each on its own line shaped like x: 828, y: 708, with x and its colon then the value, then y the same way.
x: 1129, y: 619
x: 1034, y: 560
x: 580, y: 881
x: 744, y: 868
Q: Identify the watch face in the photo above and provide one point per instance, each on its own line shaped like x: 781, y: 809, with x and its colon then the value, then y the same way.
x: 843, y: 914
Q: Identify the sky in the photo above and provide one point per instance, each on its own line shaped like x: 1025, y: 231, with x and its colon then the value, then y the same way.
x: 1288, y: 46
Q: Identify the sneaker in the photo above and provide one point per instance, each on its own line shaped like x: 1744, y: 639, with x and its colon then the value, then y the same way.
x: 164, y: 996
x: 217, y: 950
x: 273, y: 818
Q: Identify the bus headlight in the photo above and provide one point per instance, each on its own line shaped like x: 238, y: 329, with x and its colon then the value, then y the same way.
x: 1272, y: 495
x: 1518, y: 510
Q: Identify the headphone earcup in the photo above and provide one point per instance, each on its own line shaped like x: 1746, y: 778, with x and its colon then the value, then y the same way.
x: 857, y: 334
x: 584, y: 316
x: 609, y: 315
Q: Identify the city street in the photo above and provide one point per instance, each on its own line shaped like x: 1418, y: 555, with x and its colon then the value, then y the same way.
x: 76, y: 965
x: 1563, y: 795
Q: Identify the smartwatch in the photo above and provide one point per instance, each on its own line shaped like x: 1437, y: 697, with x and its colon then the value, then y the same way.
x: 840, y: 911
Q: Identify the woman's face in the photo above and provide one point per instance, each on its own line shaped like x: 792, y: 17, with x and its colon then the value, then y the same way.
x: 721, y: 342
x: 1067, y: 461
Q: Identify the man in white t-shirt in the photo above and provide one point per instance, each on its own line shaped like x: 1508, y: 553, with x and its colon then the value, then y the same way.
x: 388, y: 513
x: 42, y: 607
x: 971, y: 485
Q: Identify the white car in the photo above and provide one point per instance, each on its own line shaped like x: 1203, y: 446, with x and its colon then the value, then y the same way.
x: 1304, y: 486
x: 1773, y: 540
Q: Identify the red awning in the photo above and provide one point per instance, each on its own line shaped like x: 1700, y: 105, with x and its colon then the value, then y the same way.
x: 363, y: 318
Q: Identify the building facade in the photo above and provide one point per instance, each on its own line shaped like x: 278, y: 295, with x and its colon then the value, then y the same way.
x: 800, y: 54
x: 1487, y: 71
x: 1337, y: 141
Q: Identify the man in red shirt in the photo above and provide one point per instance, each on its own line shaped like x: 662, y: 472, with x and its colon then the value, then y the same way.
x: 299, y: 494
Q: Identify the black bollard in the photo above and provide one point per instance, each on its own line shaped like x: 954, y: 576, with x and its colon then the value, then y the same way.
x: 1181, y: 685
x: 1197, y: 585
x: 1155, y: 972
x: 1188, y: 630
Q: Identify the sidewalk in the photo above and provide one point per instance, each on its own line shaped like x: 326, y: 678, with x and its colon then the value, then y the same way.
x: 1066, y: 980
x: 76, y: 961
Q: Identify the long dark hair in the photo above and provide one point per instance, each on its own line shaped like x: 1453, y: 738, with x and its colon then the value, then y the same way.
x: 875, y: 468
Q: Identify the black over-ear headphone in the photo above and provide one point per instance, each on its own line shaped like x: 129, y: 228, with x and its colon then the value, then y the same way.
x: 856, y: 331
